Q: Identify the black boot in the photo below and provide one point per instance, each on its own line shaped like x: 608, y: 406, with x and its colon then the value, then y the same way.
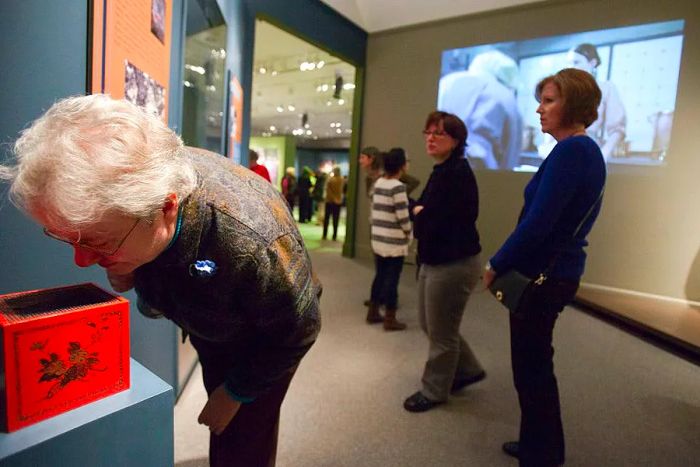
x: 373, y: 315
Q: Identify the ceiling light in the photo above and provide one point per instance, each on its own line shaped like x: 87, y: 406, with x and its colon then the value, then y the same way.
x: 196, y: 69
x: 341, y: 101
x: 309, y: 132
x: 324, y: 88
x: 273, y: 128
x: 329, y: 103
x: 262, y: 70
x: 312, y: 66
x: 333, y: 125
x: 274, y: 73
x: 280, y: 109
x: 348, y: 86
x: 188, y: 84
x: 291, y: 108
x: 320, y: 64
x: 338, y: 130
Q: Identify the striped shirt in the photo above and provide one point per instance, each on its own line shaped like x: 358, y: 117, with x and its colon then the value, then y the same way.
x: 391, y: 227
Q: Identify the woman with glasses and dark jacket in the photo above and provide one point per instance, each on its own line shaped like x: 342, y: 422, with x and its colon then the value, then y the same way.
x: 450, y: 264
x: 562, y: 201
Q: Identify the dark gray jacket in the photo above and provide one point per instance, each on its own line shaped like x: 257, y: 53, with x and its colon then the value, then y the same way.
x: 260, y: 309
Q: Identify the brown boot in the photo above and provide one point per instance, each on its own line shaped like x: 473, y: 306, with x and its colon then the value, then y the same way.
x: 390, y: 323
x: 373, y: 315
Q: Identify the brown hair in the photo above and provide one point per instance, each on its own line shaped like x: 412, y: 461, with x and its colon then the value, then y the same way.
x: 453, y: 126
x: 375, y: 154
x: 580, y: 93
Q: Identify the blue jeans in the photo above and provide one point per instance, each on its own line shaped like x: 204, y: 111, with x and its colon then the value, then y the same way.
x: 386, y: 280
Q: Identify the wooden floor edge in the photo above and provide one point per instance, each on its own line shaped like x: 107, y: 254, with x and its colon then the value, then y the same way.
x: 680, y: 347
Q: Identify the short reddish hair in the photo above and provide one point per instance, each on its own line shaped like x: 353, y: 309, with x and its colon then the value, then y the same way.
x: 580, y: 93
x: 453, y: 126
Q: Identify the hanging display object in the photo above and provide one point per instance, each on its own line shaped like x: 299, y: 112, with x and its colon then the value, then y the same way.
x: 61, y: 348
x: 235, y: 119
x: 130, y: 52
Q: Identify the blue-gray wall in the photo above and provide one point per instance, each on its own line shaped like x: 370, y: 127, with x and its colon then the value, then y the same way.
x: 312, y: 158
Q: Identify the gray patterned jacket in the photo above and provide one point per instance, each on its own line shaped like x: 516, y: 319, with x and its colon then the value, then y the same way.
x: 260, y: 310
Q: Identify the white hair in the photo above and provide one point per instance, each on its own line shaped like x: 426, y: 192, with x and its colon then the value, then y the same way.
x: 91, y: 155
x: 498, y: 65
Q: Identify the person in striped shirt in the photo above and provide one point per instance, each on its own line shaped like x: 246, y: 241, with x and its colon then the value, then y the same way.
x: 391, y: 236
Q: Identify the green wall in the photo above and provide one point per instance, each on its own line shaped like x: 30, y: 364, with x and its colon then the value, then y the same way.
x: 285, y: 147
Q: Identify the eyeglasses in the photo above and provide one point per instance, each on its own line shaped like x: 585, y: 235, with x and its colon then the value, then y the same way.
x: 436, y: 134
x: 99, y: 251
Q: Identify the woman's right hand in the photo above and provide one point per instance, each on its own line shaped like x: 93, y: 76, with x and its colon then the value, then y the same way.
x: 488, y: 277
x: 417, y: 209
x: 121, y: 282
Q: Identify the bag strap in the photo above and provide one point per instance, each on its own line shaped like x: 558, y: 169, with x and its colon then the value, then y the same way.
x: 550, y: 266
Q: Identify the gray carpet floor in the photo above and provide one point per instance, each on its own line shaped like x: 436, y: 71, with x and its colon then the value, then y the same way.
x: 625, y: 402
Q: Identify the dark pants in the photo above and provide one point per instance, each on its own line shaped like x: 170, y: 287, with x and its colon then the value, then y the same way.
x: 305, y: 206
x: 250, y: 440
x: 531, y: 330
x: 332, y: 209
x: 386, y: 280
x: 290, y: 202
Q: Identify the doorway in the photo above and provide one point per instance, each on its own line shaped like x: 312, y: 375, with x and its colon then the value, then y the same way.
x: 302, y: 118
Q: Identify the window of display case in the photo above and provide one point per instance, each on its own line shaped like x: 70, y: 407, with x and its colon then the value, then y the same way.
x: 204, y: 94
x: 204, y: 101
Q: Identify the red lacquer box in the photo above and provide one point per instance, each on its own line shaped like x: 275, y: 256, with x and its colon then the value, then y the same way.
x: 61, y: 348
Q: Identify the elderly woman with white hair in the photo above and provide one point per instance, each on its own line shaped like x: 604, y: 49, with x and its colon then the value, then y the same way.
x: 203, y: 241
x: 483, y: 97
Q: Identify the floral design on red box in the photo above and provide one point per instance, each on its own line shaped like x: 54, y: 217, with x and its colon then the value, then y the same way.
x: 81, y: 362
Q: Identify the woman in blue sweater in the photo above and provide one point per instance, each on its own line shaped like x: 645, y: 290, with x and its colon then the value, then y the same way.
x: 563, y: 196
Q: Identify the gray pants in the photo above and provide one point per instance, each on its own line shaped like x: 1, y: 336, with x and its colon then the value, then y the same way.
x: 443, y: 291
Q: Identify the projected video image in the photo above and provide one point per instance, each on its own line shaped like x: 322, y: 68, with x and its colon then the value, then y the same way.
x: 491, y: 88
